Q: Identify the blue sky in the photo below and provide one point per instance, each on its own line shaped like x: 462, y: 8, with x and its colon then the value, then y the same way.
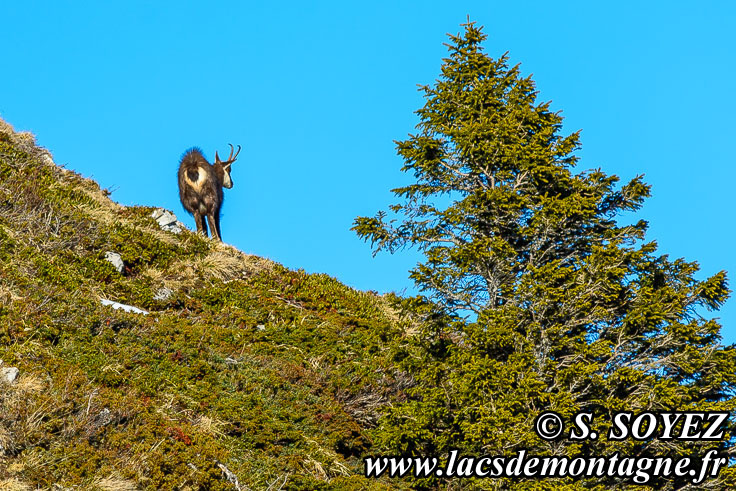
x: 317, y: 92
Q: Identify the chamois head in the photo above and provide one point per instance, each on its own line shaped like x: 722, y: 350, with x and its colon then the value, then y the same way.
x: 227, y: 182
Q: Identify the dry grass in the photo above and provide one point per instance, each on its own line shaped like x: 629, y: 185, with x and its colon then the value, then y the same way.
x: 8, y: 294
x: 29, y: 384
x: 114, y: 483
x: 26, y: 141
x: 14, y: 485
x: 210, y: 425
x: 222, y: 262
x: 18, y: 137
x: 324, y: 457
x: 227, y: 263
x: 6, y: 440
x: 29, y: 460
x: 14, y: 399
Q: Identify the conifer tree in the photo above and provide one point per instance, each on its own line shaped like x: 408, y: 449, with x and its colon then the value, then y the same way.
x: 534, y: 295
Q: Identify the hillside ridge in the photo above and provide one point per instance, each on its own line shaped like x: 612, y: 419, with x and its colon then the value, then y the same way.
x: 243, y: 375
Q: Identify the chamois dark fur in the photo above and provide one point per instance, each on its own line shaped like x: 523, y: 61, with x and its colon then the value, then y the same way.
x: 200, y: 187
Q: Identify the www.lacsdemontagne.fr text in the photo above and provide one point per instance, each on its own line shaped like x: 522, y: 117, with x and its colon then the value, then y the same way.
x: 638, y: 469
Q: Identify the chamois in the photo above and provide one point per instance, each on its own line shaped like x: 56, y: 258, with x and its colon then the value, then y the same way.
x: 200, y: 187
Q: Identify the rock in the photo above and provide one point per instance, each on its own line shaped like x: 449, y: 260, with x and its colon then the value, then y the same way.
x: 229, y: 475
x: 9, y: 374
x: 126, y: 308
x: 116, y: 260
x: 104, y: 418
x: 46, y: 157
x: 167, y: 220
x: 163, y: 294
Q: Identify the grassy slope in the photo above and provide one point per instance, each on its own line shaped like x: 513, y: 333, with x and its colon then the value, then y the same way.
x: 275, y: 374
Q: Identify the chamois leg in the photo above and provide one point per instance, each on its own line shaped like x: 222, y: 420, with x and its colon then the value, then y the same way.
x: 217, y: 226
x: 200, y: 222
x: 213, y: 227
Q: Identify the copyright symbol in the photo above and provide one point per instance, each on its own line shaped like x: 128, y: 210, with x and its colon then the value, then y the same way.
x: 548, y: 425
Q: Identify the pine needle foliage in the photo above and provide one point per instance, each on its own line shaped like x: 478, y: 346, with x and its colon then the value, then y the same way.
x: 535, y: 296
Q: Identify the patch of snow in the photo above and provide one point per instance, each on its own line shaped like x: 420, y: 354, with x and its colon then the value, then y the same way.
x: 126, y: 308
